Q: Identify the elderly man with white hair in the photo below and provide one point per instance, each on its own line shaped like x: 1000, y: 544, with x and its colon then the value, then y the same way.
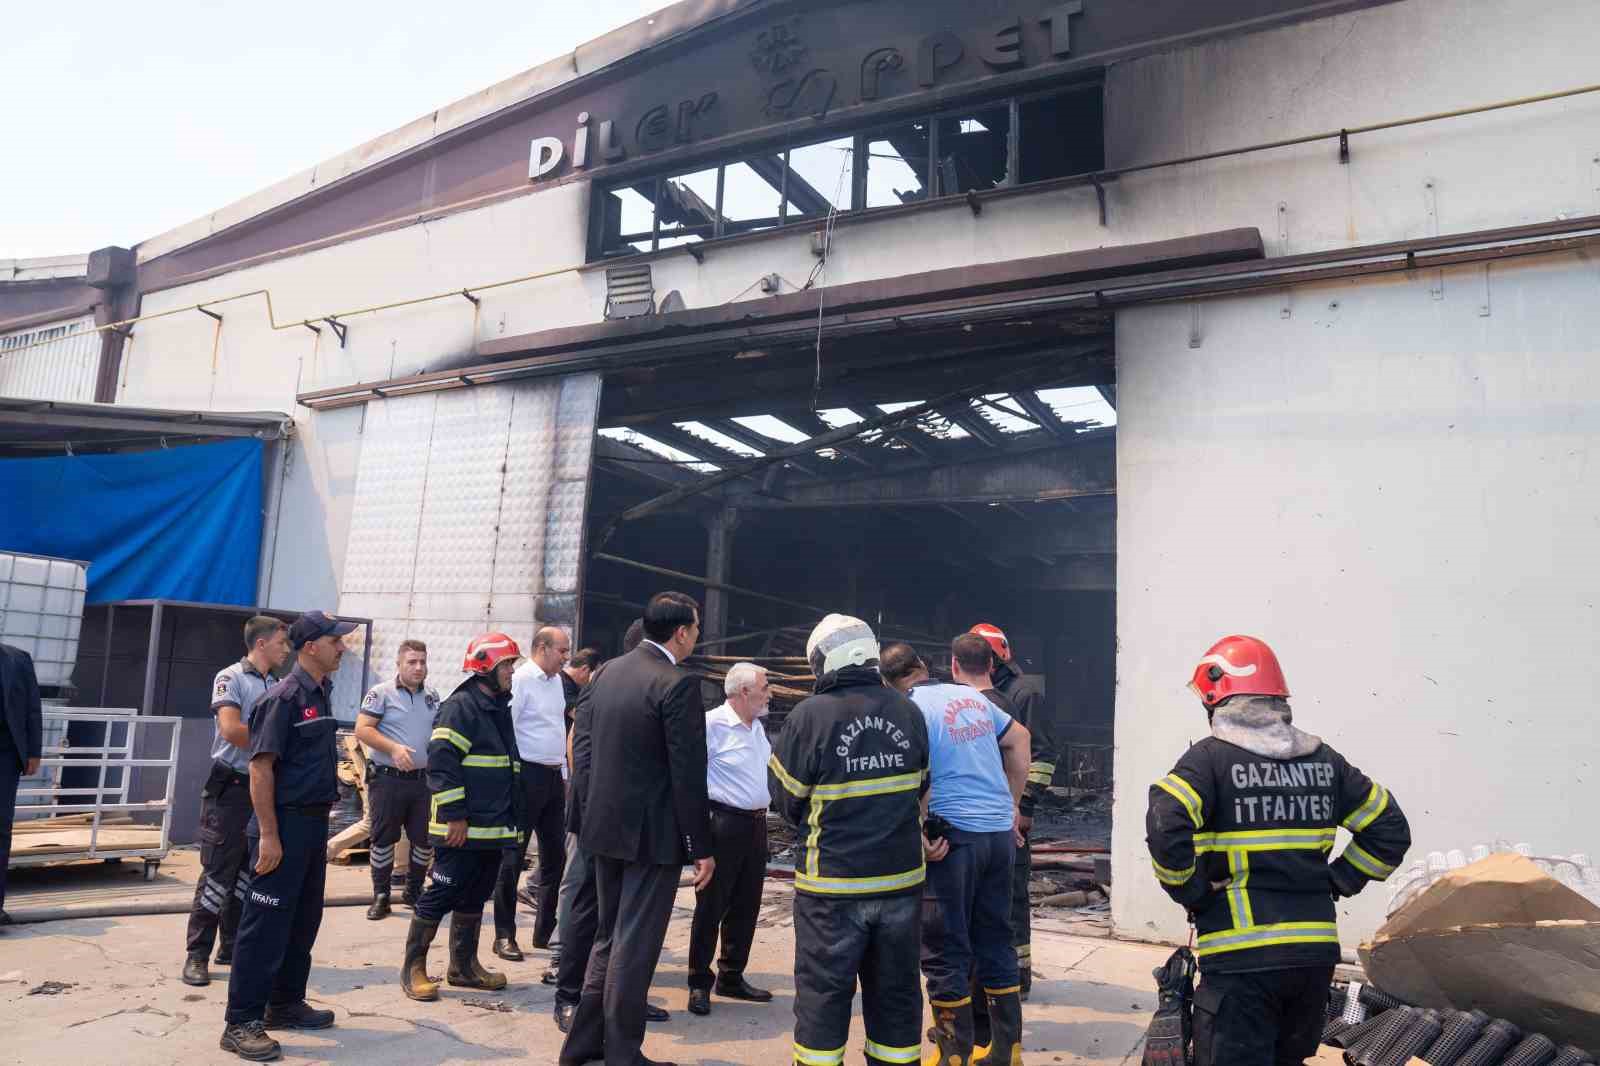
x: 737, y: 751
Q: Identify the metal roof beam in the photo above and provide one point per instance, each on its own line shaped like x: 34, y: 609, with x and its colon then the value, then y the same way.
x: 975, y: 424
x: 1087, y: 468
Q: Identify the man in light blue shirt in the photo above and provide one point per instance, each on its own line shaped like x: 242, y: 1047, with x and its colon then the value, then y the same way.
x: 978, y: 764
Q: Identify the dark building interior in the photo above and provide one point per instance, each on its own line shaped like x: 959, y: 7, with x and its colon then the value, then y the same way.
x: 980, y: 486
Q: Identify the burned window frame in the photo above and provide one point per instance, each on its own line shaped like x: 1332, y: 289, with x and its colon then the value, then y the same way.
x: 860, y: 136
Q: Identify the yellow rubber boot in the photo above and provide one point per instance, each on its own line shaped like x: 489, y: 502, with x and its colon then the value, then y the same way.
x: 951, y: 1034
x: 414, y: 979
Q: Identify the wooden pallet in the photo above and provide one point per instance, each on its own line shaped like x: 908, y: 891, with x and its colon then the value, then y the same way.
x: 349, y: 856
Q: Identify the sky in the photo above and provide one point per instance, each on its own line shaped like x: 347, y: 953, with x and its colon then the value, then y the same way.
x: 123, y: 120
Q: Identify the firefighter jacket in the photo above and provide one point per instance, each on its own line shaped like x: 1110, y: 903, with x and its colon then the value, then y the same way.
x: 851, y: 764
x: 1027, y: 705
x: 1266, y: 827
x: 473, y: 769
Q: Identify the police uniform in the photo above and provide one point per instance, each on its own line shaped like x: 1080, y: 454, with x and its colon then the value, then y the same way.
x: 398, y: 799
x: 224, y: 814
x: 283, y: 908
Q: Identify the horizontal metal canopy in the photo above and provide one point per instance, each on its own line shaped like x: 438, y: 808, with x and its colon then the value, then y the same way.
x: 52, y: 427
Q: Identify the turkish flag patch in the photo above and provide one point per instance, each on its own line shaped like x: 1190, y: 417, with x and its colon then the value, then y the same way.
x: 309, y: 713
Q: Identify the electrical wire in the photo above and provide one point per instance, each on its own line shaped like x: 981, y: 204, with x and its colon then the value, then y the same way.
x: 822, y: 269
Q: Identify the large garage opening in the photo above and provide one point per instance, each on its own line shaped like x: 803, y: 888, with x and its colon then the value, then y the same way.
x: 924, y: 480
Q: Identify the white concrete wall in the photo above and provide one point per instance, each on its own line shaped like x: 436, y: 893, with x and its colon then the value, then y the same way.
x: 1399, y: 494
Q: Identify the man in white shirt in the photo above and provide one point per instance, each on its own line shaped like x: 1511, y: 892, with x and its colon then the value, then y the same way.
x: 538, y: 715
x: 737, y: 751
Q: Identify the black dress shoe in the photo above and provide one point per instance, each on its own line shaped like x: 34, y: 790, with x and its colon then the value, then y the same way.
x: 564, y: 1013
x: 700, y: 1001
x: 506, y: 948
x: 653, y: 1013
x: 195, y: 972
x: 739, y: 988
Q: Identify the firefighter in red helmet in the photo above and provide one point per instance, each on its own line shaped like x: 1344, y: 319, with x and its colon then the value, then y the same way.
x: 477, y: 813
x: 1239, y: 834
x: 1022, y: 696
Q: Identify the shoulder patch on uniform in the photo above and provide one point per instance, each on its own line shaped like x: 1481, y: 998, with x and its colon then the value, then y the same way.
x: 371, y: 701
x: 221, y: 688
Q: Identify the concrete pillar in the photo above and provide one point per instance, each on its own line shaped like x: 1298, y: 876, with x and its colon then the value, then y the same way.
x: 719, y: 567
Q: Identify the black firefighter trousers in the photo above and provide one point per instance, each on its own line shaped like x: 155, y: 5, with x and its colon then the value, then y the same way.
x: 1265, y: 1018
x: 837, y: 940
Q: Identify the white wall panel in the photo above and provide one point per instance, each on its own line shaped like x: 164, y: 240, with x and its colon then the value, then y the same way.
x: 59, y: 361
x: 1399, y: 494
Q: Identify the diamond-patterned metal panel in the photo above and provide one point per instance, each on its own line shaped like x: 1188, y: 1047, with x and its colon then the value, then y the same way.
x: 387, y: 507
x: 530, y: 466
x: 469, y: 515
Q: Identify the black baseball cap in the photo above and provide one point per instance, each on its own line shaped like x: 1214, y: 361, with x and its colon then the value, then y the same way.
x: 314, y: 624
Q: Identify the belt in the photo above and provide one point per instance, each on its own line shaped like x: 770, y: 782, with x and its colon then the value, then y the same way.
x: 726, y: 809
x: 392, y: 771
x: 310, y: 810
x: 231, y: 776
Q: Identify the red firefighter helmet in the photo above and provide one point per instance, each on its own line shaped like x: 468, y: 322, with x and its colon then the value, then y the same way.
x: 488, y: 651
x: 996, y: 638
x: 1238, y: 666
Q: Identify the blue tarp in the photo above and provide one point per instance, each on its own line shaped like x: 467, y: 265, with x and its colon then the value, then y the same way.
x: 178, y: 523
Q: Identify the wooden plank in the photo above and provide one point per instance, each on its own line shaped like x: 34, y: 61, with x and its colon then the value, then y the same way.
x: 67, y: 841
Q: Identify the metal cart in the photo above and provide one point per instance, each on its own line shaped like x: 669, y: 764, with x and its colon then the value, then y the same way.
x: 58, y: 822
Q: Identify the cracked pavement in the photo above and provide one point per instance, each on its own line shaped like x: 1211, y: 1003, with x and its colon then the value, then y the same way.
x: 1092, y: 999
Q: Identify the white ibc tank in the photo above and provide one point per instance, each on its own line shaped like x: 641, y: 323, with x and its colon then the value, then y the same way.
x: 41, y: 611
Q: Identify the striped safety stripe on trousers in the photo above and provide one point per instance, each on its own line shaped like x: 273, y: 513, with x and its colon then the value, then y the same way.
x: 887, y: 1053
x: 812, y: 1057
x: 212, y: 895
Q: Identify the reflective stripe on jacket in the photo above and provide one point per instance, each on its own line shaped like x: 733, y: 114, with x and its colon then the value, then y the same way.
x: 849, y: 768
x: 473, y: 769
x: 1266, y: 827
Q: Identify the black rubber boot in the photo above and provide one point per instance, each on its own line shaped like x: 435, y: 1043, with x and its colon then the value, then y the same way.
x: 1005, y: 1021
x: 465, y: 970
x: 1025, y: 975
x: 380, y: 907
x: 413, y: 890
x: 952, y: 1034
x: 414, y: 977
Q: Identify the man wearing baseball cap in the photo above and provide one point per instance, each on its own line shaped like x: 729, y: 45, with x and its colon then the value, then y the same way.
x: 293, y: 783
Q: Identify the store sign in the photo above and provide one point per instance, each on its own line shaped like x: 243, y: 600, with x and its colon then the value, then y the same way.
x: 805, y: 66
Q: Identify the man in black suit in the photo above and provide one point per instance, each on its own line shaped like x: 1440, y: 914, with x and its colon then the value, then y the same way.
x: 21, y: 744
x: 639, y: 753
